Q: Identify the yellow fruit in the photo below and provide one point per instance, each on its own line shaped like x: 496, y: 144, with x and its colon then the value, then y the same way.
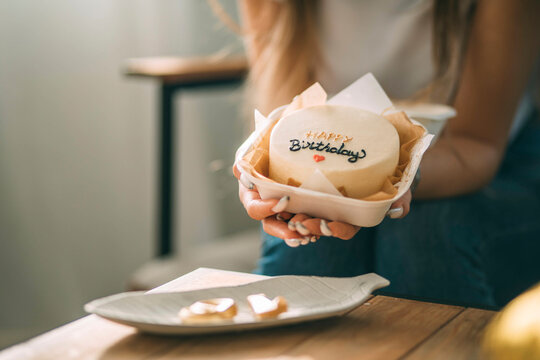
x: 514, y: 334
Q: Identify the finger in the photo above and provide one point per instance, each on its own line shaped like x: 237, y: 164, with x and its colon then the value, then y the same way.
x: 295, y: 223
x: 395, y: 213
x: 299, y: 217
x: 314, y: 226
x: 294, y: 220
x: 257, y: 208
x: 406, y: 208
x: 236, y: 172
x: 403, y: 201
x: 279, y: 229
x: 308, y: 239
x: 245, y: 182
x: 293, y: 242
x: 342, y: 230
x: 284, y: 216
x: 406, y: 202
x: 400, y: 208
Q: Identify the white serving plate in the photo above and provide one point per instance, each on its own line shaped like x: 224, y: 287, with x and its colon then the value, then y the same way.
x: 309, y: 298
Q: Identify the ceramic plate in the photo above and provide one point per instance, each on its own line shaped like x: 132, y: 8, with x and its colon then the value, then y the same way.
x: 309, y: 298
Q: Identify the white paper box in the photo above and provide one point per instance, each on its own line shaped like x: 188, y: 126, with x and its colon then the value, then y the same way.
x: 331, y: 206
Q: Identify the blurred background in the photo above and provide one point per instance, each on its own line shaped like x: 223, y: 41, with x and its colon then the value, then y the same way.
x: 79, y: 156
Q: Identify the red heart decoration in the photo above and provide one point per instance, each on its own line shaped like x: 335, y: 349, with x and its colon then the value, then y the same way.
x: 318, y: 158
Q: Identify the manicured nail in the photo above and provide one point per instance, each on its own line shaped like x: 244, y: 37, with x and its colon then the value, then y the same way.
x: 302, y: 229
x: 248, y: 184
x: 325, y: 229
x: 305, y: 240
x: 314, y: 238
x: 291, y: 225
x: 281, y: 205
x: 395, y: 213
x: 293, y: 242
x: 279, y: 217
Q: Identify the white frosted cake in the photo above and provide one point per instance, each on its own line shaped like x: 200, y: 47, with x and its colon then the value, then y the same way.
x: 357, y: 150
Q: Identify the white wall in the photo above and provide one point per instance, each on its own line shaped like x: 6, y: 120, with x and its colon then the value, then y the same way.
x: 78, y: 147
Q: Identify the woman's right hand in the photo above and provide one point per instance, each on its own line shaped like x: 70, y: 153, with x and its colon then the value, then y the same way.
x: 295, y: 230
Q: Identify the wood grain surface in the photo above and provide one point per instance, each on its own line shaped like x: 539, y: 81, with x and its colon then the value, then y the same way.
x: 458, y: 340
x: 383, y: 328
x: 188, y: 69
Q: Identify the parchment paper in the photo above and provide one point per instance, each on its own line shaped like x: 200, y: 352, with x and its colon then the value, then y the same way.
x: 366, y: 94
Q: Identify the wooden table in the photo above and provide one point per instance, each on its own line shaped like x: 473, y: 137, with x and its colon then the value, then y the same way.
x: 382, y: 328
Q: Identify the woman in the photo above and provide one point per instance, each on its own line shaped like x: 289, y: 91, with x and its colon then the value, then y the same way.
x: 478, y: 198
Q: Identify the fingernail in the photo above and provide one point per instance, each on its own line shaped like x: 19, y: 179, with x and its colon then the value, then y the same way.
x: 314, y: 238
x: 293, y: 242
x: 248, y: 184
x: 325, y: 229
x: 279, y: 217
x: 395, y: 213
x: 291, y: 225
x: 302, y: 229
x: 305, y: 240
x: 281, y: 205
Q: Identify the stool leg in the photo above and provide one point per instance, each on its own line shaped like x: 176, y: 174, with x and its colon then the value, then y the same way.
x: 166, y: 181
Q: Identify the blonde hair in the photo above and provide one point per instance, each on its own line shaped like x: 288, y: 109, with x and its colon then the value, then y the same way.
x: 452, y: 21
x: 287, y: 52
x: 288, y: 56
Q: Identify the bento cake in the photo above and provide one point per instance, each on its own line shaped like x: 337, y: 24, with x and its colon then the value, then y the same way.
x: 355, y: 149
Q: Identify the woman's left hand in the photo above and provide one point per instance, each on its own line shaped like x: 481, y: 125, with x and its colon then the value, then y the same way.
x: 310, y: 229
x: 400, y: 208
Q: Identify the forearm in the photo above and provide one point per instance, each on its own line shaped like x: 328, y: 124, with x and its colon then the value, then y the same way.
x: 457, y: 166
x: 502, y: 49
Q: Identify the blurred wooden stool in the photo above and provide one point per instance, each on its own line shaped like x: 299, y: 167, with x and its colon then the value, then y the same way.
x: 175, y: 74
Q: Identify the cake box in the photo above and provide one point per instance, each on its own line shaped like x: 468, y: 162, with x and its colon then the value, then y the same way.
x: 317, y: 197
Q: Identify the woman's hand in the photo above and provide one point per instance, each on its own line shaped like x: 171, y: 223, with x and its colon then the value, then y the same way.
x: 300, y: 229
x: 400, y: 208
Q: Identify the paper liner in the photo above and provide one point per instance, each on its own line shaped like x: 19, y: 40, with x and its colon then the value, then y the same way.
x: 409, y: 134
x: 319, y: 182
x: 253, y: 156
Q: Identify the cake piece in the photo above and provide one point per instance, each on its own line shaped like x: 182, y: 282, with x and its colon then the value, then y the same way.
x: 355, y: 149
x: 209, y: 311
x: 265, y: 308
